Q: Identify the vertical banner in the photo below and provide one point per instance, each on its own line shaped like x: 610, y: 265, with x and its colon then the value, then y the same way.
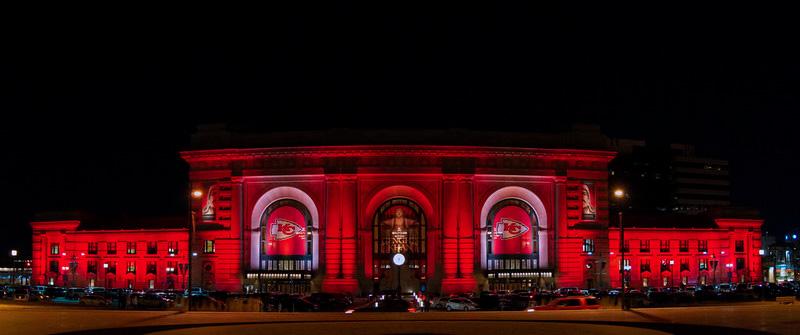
x: 513, y: 232
x: 285, y: 232
x: 589, y: 207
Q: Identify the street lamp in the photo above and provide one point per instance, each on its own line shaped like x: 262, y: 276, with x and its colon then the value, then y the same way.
x: 196, y: 194
x: 619, y: 194
x: 14, y: 266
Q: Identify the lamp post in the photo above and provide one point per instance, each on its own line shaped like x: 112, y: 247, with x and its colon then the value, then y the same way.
x: 196, y: 194
x: 619, y: 194
x: 14, y: 266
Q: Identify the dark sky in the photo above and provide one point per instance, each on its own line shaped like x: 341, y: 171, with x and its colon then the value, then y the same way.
x: 95, y: 110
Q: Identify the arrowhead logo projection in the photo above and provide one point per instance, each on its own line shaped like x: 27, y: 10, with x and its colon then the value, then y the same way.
x: 285, y: 229
x: 508, y: 229
x: 513, y: 230
x: 286, y: 232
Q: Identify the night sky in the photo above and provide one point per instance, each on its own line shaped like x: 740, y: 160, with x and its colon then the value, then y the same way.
x: 95, y: 111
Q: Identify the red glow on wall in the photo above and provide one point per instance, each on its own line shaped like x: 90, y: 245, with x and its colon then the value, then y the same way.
x: 513, y: 232
x: 286, y: 232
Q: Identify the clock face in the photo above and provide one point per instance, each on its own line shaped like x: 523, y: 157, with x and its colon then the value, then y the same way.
x: 399, y: 259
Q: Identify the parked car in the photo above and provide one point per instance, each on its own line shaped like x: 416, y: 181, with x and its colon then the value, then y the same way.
x: 22, y: 294
x: 567, y: 291
x: 385, y: 305
x: 571, y: 303
x: 461, y: 304
x: 94, y: 300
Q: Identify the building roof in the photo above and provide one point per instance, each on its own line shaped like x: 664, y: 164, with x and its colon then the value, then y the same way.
x: 219, y: 136
x: 93, y: 221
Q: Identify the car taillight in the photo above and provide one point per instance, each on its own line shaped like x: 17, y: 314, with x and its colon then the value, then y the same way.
x: 412, y: 309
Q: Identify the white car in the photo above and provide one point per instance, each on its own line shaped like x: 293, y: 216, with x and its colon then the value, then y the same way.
x: 461, y: 304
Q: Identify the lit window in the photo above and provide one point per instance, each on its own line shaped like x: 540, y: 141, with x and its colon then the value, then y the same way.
x: 208, y: 247
x: 54, y: 249
x: 131, y: 248
x: 588, y: 246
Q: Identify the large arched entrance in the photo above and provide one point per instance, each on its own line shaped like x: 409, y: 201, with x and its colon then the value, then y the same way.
x: 286, y: 248
x: 512, y: 256
x: 399, y: 246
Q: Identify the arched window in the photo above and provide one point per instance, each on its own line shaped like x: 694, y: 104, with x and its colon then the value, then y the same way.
x: 399, y: 226
x: 511, y: 242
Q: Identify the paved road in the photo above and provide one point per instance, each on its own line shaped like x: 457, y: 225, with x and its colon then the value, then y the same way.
x: 735, y: 319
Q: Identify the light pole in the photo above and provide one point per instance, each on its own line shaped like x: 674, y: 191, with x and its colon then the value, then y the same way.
x: 196, y: 194
x: 619, y: 194
x: 14, y: 266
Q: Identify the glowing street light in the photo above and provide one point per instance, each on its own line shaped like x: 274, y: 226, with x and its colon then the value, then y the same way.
x: 619, y: 194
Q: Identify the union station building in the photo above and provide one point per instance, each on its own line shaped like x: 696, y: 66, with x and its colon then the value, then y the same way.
x: 415, y: 217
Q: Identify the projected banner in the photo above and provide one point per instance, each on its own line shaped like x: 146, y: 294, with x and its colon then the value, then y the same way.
x: 285, y: 232
x: 513, y: 232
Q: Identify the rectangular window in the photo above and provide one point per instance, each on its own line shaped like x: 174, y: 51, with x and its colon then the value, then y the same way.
x: 665, y: 265
x: 112, y: 248
x: 626, y: 246
x: 740, y: 264
x: 645, y: 266
x: 702, y: 246
x: 739, y: 246
x: 644, y: 246
x: 112, y: 267
x: 92, y: 250
x: 627, y: 263
x: 664, y: 245
x: 54, y: 266
x: 208, y: 247
x: 152, y: 247
x: 684, y: 264
x: 54, y: 248
x: 131, y: 248
x: 91, y: 267
x: 703, y: 264
x: 171, y: 267
x: 132, y: 267
x: 588, y: 246
x: 151, y: 267
x: 172, y: 248
x: 684, y: 246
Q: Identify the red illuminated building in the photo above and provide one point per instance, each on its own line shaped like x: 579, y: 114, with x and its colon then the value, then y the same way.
x: 66, y: 256
x: 333, y: 218
x: 687, y: 250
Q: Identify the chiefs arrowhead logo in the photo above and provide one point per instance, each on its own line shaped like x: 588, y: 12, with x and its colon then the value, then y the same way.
x: 508, y: 229
x: 285, y: 229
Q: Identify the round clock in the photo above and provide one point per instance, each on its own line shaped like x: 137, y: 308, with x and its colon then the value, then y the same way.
x: 398, y: 259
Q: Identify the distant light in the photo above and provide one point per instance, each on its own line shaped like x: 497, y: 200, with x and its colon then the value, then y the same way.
x: 761, y: 252
x: 82, y: 254
x: 705, y: 252
x: 794, y: 236
x: 723, y: 252
x: 63, y: 254
x: 13, y: 252
x: 194, y: 254
x: 589, y: 253
x: 105, y: 265
x: 619, y: 193
x: 611, y: 253
x: 671, y: 262
x: 197, y: 194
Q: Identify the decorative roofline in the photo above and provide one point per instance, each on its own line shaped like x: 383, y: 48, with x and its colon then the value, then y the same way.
x: 393, y: 151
